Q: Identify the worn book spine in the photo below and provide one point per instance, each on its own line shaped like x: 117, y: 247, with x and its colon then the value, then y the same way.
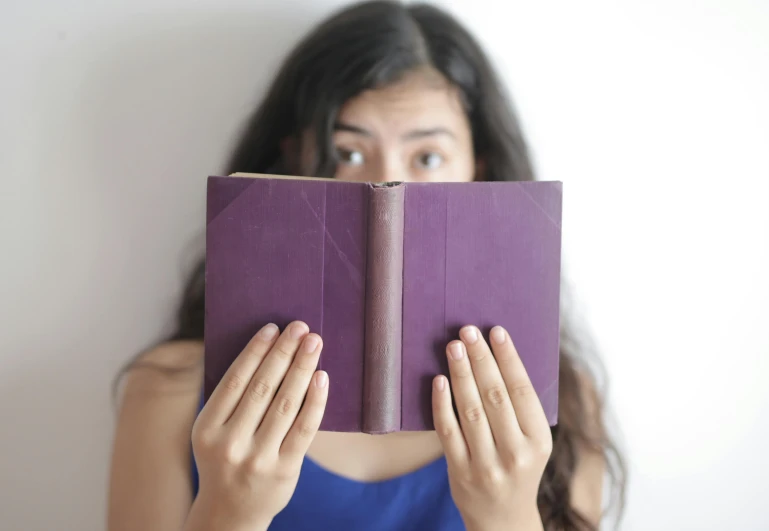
x: 384, y: 296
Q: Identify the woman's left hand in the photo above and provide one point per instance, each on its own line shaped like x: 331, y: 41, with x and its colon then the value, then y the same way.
x: 497, y: 450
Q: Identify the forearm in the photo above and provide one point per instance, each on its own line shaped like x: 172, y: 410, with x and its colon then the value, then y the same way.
x: 204, y: 517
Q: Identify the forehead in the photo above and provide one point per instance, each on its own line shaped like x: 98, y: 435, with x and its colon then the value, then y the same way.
x: 419, y: 100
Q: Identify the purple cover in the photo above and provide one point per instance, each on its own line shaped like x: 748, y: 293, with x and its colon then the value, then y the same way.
x: 473, y: 253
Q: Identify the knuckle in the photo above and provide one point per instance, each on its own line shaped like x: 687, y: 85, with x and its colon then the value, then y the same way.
x: 473, y: 413
x: 233, y: 382
x: 518, y: 461
x: 305, y: 430
x: 282, y: 352
x: 530, y: 458
x: 259, y: 390
x: 227, y: 453
x: 306, y: 364
x: 544, y: 447
x: 464, y: 373
x: 522, y: 390
x: 203, y: 439
x: 465, y: 475
x: 496, y: 396
x: 229, y: 456
x: 477, y: 355
x: 286, y: 405
x: 492, y: 475
x: 445, y: 431
x: 258, y: 465
x: 285, y: 472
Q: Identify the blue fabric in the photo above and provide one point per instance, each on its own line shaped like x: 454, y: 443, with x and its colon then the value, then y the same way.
x: 418, y: 501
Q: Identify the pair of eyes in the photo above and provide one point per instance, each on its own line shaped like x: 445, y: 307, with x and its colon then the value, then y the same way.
x: 426, y: 160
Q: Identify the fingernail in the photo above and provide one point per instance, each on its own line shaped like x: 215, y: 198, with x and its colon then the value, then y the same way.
x: 310, y: 343
x: 469, y: 334
x: 456, y: 350
x: 440, y: 383
x: 268, y: 332
x: 498, y: 335
x: 298, y: 330
x: 321, y: 379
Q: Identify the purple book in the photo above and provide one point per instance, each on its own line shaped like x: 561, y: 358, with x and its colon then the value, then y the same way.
x: 386, y: 274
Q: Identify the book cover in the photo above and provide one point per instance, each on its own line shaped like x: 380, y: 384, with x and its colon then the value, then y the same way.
x: 386, y: 274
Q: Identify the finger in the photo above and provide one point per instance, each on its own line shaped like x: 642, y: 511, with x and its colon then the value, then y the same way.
x: 307, y: 423
x: 283, y: 410
x: 491, y: 385
x: 226, y: 395
x: 265, y: 382
x: 446, y: 424
x: 472, y: 417
x: 528, y: 408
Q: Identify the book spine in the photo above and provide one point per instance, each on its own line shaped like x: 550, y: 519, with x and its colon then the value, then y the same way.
x: 384, y: 294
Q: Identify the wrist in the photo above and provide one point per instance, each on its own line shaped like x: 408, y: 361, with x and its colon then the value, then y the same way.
x: 528, y: 521
x: 205, y: 516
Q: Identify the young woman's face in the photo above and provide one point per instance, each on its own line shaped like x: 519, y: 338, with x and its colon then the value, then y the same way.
x: 413, y: 131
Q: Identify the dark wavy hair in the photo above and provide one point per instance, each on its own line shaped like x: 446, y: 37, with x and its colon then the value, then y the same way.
x: 371, y: 45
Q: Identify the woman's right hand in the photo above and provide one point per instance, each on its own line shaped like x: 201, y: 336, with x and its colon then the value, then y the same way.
x: 248, y: 442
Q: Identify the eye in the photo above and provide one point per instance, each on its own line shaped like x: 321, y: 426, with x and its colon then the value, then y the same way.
x: 350, y: 156
x: 429, y: 161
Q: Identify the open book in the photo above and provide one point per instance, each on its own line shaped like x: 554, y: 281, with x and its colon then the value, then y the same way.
x: 386, y: 274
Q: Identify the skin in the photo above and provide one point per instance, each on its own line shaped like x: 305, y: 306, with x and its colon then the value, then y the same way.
x: 498, y: 448
x: 415, y: 130
x: 249, y: 441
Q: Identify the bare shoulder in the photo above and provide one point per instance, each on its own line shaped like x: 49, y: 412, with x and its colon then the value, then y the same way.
x: 587, y: 482
x: 150, y: 474
x: 175, y: 353
x: 169, y: 366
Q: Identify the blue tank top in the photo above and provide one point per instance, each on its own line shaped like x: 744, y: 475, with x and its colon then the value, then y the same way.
x: 417, y: 501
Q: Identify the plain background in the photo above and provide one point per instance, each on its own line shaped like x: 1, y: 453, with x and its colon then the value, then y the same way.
x: 655, y: 115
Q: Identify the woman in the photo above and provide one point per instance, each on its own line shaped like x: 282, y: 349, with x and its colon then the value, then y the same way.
x: 379, y: 92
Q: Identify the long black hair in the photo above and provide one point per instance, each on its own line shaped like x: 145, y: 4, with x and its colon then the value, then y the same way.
x: 371, y: 45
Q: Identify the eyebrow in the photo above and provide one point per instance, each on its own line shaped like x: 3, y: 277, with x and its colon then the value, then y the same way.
x: 411, y: 135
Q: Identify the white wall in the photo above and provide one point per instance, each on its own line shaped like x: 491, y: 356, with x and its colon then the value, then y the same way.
x: 655, y: 114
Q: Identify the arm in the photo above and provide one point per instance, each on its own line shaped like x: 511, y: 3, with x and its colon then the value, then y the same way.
x: 587, y: 482
x: 587, y: 486
x: 150, y: 483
